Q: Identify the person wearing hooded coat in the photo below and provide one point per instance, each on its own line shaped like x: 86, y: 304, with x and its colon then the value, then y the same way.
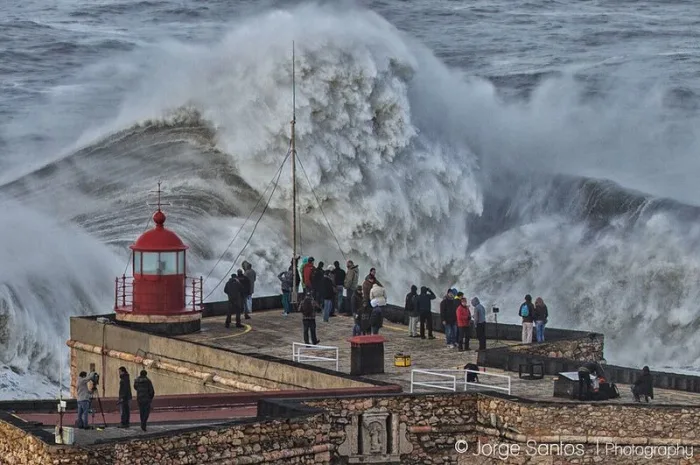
x: 480, y: 322
x: 643, y: 386
x: 234, y: 291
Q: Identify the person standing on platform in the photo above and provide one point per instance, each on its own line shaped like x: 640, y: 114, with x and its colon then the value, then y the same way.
x: 352, y: 277
x: 541, y: 315
x: 643, y: 386
x: 234, y: 291
x: 252, y: 276
x: 339, y: 277
x: 411, y: 309
x: 286, y: 282
x: 527, y: 313
x: 83, y: 397
x: 426, y: 312
x: 369, y: 282
x: 308, y: 313
x: 245, y: 290
x: 308, y: 275
x: 124, y: 397
x: 448, y: 315
x: 327, y: 293
x: 144, y: 396
x: 464, y: 317
x: 480, y: 321
x: 378, y: 303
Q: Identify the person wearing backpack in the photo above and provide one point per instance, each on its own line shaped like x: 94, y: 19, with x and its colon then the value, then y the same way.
x: 527, y: 313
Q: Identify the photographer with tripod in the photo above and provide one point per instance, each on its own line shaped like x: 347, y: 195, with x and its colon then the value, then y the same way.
x: 84, y: 391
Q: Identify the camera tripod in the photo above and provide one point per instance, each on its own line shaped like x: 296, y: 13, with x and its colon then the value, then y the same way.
x: 99, y: 403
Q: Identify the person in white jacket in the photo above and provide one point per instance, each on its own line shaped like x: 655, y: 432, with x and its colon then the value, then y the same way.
x: 377, y: 299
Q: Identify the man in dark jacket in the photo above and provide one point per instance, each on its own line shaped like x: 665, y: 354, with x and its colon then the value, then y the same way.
x: 448, y: 316
x: 246, y: 287
x: 426, y: 313
x: 144, y: 396
x: 527, y: 313
x: 643, y: 386
x: 234, y: 291
x: 327, y: 294
x: 411, y: 309
x: 308, y: 314
x: 124, y: 397
x: 317, y: 282
x: 339, y: 277
x: 368, y: 283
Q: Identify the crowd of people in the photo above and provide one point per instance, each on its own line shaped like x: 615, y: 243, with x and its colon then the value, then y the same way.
x: 330, y: 290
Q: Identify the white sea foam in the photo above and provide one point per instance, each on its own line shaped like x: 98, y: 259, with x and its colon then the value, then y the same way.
x: 403, y: 153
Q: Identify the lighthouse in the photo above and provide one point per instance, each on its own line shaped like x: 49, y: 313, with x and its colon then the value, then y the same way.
x: 159, y: 297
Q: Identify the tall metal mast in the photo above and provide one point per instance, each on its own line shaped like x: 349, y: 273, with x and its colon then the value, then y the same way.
x: 295, y: 285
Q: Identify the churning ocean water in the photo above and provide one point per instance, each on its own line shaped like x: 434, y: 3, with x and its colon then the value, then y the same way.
x: 503, y: 147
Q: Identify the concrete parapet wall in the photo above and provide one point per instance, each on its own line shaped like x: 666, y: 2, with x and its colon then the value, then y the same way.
x: 184, y: 367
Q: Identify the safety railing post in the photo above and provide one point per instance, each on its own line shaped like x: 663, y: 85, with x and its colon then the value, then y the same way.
x: 123, y: 290
x: 201, y: 293
x: 116, y: 293
x: 194, y: 294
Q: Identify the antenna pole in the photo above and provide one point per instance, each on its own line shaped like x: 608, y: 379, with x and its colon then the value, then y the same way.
x: 295, y: 286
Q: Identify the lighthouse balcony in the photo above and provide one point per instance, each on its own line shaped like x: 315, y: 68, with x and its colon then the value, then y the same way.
x: 158, y: 295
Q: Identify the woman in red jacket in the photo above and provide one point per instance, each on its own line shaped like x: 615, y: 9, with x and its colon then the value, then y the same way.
x: 464, y: 317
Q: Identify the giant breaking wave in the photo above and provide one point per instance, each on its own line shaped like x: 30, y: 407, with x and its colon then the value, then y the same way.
x: 428, y: 176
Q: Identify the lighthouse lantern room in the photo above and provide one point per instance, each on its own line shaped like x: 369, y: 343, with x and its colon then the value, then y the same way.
x: 159, y: 297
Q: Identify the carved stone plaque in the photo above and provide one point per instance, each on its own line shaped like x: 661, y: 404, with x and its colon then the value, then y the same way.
x: 375, y: 437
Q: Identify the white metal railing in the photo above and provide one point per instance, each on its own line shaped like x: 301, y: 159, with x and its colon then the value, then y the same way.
x: 298, y: 356
x: 449, y: 379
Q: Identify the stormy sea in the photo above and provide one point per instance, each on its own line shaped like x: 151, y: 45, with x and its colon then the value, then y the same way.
x: 502, y: 147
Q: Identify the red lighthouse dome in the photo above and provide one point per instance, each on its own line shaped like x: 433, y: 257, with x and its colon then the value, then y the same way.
x: 158, y: 296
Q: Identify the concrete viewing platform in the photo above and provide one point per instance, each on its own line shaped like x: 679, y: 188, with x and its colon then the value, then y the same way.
x: 270, y: 333
x: 235, y: 395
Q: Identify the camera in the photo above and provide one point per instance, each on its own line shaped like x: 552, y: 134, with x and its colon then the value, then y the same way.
x: 495, y: 309
x: 95, y: 378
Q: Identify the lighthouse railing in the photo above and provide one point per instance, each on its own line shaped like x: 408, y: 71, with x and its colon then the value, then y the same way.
x: 124, y: 294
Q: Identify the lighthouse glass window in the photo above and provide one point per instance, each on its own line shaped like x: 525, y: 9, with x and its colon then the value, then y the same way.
x: 159, y: 263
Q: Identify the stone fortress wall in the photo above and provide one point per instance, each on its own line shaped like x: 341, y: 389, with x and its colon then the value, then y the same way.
x: 399, y: 429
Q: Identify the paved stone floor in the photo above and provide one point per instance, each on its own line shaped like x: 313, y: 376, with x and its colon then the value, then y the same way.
x: 159, y: 422
x: 273, y: 334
